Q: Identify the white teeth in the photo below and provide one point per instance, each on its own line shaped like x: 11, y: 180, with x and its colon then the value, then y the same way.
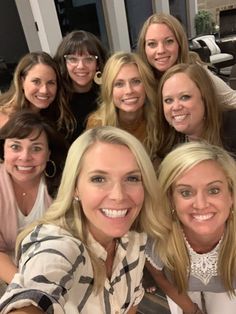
x: 130, y: 100
x: 179, y: 118
x: 42, y: 97
x: 114, y: 213
x: 24, y: 168
x: 203, y: 217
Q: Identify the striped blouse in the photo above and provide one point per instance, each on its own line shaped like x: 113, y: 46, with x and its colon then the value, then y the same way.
x: 56, y: 275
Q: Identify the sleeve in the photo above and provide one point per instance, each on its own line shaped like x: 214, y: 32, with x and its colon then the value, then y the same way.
x: 151, y: 254
x: 226, y: 95
x: 48, y: 262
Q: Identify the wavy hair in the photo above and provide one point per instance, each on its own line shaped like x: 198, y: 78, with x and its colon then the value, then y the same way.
x: 14, y: 99
x: 167, y: 135
x: 68, y: 214
x: 176, y: 28
x: 107, y: 111
x: 171, y: 247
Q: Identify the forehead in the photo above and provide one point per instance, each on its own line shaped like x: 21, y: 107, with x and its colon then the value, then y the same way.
x: 202, y: 173
x: 158, y: 30
x: 34, y: 136
x: 178, y: 80
x: 127, y: 69
x: 41, y: 69
x: 109, y: 157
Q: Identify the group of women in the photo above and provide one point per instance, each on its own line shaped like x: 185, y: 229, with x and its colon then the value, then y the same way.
x: 123, y: 178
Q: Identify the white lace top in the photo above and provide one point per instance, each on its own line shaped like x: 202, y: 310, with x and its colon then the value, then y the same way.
x: 203, y: 268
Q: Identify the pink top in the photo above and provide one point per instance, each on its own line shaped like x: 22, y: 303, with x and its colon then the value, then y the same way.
x: 8, y: 212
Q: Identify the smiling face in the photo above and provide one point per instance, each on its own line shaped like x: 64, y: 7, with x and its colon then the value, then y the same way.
x: 161, y: 47
x: 81, y: 69
x: 40, y: 86
x: 183, y: 105
x: 202, y: 201
x: 128, y: 90
x: 25, y: 159
x: 110, y: 190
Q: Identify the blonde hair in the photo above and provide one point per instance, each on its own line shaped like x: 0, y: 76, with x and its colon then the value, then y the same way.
x: 171, y: 247
x: 107, y: 112
x: 167, y: 135
x: 68, y: 214
x: 175, y: 27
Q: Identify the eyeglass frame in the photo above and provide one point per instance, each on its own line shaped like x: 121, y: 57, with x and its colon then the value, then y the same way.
x: 95, y: 58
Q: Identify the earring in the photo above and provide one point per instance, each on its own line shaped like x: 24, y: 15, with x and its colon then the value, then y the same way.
x: 52, y: 169
x: 76, y: 198
x: 98, y: 78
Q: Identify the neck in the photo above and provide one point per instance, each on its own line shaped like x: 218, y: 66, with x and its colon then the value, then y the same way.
x: 203, y: 244
x: 130, y: 117
x: 82, y: 89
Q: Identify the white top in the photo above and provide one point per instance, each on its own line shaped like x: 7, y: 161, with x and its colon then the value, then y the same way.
x: 225, y: 94
x: 37, y: 210
x: 56, y: 274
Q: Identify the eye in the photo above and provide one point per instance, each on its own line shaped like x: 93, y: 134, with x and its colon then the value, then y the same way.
x: 36, y: 148
x: 134, y: 178
x: 185, y: 97
x: 136, y: 82
x: 15, y: 147
x: 119, y: 84
x: 36, y: 81
x: 151, y: 44
x: 52, y: 83
x: 185, y: 193
x: 214, y: 191
x: 168, y: 101
x: 169, y: 41
x: 97, y: 179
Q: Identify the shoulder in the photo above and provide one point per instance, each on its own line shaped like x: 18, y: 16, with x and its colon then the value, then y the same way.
x: 4, y: 117
x: 93, y: 121
x: 51, y: 238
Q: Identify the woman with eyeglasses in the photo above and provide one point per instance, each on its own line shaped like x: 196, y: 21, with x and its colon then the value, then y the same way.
x: 81, y: 58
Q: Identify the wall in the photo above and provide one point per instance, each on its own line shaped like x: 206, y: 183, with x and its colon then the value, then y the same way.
x: 13, y: 44
x: 214, y: 6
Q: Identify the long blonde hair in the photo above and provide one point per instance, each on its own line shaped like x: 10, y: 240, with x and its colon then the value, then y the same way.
x: 107, y: 112
x: 68, y: 214
x: 176, y: 28
x: 171, y: 246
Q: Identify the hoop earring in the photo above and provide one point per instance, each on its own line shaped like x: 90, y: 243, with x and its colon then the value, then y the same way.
x: 53, y: 169
x: 98, y: 78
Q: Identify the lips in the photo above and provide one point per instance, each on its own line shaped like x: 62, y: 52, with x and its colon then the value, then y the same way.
x: 129, y: 101
x: 24, y: 168
x: 179, y: 117
x: 203, y: 217
x: 112, y: 213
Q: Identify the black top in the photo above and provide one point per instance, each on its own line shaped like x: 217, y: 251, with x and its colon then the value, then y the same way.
x: 81, y: 105
x: 228, y: 131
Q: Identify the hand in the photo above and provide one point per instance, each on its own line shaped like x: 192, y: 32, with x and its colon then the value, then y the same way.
x: 196, y: 310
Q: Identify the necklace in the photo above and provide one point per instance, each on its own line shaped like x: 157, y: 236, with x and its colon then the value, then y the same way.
x: 24, y: 193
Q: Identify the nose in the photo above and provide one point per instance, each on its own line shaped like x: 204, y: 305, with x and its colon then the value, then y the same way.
x: 25, y: 155
x: 200, y: 201
x: 43, y: 89
x: 80, y: 64
x: 128, y: 87
x: 117, y: 192
x: 176, y: 105
x: 160, y: 48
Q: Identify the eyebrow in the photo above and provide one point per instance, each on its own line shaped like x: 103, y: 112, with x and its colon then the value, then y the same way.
x: 188, y: 185
x: 19, y: 141
x: 99, y: 171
